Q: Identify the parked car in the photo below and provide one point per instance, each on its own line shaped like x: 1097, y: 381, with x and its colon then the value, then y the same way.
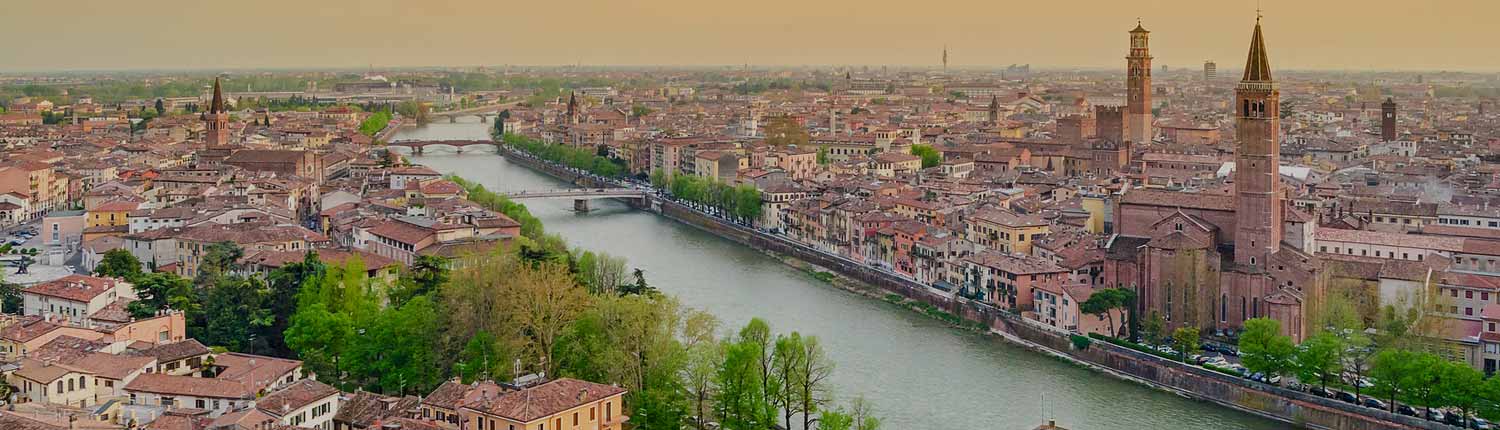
x: 1406, y: 410
x: 1454, y: 420
x: 1477, y: 423
x: 1371, y: 402
x: 1435, y: 415
x: 1320, y: 392
x: 1344, y: 396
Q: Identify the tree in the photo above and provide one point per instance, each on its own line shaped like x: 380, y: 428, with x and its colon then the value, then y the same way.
x: 698, y: 377
x: 863, y: 414
x: 823, y: 155
x: 1318, y: 358
x: 930, y: 157
x: 1388, y: 371
x: 1357, y: 355
x: 757, y: 337
x: 543, y: 301
x: 161, y: 107
x: 218, y: 259
x: 813, y: 380
x: 158, y: 291
x: 741, y: 405
x: 1185, y: 340
x: 233, y: 312
x: 835, y: 420
x: 119, y: 263
x: 1155, y: 329
x: 425, y: 275
x: 1462, y: 387
x: 1421, y: 377
x: 785, y: 131
x: 1263, y: 349
x: 1102, y: 303
x: 786, y: 363
x: 481, y: 359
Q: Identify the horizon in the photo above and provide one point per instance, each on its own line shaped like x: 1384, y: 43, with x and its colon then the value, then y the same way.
x: 283, y: 34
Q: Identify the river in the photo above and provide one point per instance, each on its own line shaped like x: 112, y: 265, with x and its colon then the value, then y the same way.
x: 919, y: 374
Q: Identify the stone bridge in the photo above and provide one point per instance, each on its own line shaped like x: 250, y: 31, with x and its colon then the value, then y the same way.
x: 420, y: 146
x: 581, y: 196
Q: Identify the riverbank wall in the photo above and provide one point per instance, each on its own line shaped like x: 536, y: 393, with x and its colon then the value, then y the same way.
x: 1288, y: 406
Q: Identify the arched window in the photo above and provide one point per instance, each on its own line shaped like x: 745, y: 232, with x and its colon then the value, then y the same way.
x: 1243, y: 314
x: 1223, y: 307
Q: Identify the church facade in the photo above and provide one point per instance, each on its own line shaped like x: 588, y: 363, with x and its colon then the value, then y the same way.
x: 1213, y: 260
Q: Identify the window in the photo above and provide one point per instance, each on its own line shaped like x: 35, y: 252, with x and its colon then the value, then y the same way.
x: 200, y: 404
x: 575, y: 418
x: 1468, y: 294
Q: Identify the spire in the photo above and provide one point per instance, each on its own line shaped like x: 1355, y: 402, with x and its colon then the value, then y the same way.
x: 1258, y: 65
x: 1138, y: 27
x: 217, y: 106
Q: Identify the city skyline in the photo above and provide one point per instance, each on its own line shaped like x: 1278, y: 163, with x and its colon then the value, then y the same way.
x: 1337, y: 35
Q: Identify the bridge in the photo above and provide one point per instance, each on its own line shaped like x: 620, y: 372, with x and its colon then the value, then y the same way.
x: 580, y: 196
x: 483, y: 112
x: 420, y: 146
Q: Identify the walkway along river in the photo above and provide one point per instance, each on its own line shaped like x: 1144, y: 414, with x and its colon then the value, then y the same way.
x: 919, y: 374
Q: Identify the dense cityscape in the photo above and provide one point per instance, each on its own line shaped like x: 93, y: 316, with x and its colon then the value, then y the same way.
x: 752, y: 247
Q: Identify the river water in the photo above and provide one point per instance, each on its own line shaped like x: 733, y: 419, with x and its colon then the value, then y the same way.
x: 919, y: 374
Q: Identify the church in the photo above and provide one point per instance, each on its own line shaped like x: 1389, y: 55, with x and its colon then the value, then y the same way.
x: 1213, y: 260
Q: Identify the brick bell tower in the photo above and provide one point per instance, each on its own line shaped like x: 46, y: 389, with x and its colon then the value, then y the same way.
x: 1138, y: 85
x: 216, y: 120
x: 1257, y: 182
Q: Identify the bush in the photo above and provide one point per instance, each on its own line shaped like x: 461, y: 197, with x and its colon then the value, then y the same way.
x: 822, y: 276
x: 1080, y: 342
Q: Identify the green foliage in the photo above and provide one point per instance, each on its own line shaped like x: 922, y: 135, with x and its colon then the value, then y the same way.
x: 784, y: 131
x: 930, y: 156
x: 743, y: 202
x: 1185, y: 341
x: 1080, y: 342
x: 1263, y: 348
x: 375, y: 123
x: 578, y: 158
x: 118, y: 263
x: 531, y: 226
x: 1155, y: 329
x: 159, y: 291
x: 1318, y: 358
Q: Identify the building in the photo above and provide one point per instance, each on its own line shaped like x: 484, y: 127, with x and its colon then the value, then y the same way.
x: 216, y: 120
x: 1213, y: 260
x: 75, y: 298
x: 1138, y: 87
x: 1005, y: 231
x: 1210, y: 71
x: 1388, y: 120
x: 563, y: 403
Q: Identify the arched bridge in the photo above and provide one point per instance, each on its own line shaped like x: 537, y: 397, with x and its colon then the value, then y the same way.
x: 483, y: 112
x: 581, y: 196
x: 420, y: 146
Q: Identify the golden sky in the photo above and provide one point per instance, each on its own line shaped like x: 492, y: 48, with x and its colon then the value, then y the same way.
x: 213, y: 34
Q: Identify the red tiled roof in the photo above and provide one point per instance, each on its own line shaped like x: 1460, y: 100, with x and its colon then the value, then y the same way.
x: 545, y: 400
x: 78, y: 288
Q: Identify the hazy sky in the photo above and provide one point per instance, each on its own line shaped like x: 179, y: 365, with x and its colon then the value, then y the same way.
x: 207, y: 34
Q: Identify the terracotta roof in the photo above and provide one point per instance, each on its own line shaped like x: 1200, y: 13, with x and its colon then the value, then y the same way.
x: 453, y: 395
x: 11, y: 421
x: 363, y: 408
x: 254, y: 370
x: 545, y: 400
x: 78, y: 288
x: 295, y: 396
x: 190, y: 386
x: 1178, y: 199
x: 169, y: 352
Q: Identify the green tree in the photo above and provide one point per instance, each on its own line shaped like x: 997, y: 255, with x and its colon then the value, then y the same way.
x: 930, y: 156
x: 1185, y: 340
x: 741, y: 404
x: 426, y: 274
x: 1155, y: 329
x: 233, y: 312
x: 835, y: 420
x: 786, y: 364
x: 481, y: 359
x: 1462, y: 387
x: 157, y: 291
x: 823, y: 155
x: 812, y: 380
x: 1389, y: 372
x: 1102, y: 303
x: 1318, y: 358
x: 1422, y: 378
x: 699, y: 378
x: 219, y: 259
x: 757, y: 336
x: 1263, y: 349
x: 119, y: 263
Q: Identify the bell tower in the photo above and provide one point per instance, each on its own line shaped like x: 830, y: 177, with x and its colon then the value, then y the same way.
x: 1138, y: 86
x: 1257, y: 182
x: 216, y: 120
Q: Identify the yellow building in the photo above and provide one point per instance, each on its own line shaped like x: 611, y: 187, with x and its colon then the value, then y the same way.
x: 112, y: 213
x: 563, y: 403
x: 1006, y: 231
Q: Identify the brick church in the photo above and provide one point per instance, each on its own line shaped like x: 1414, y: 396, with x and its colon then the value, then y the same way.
x: 1212, y: 260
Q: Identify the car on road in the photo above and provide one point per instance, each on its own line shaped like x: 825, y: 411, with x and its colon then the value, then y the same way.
x: 1435, y: 415
x: 1406, y: 410
x: 1371, y: 402
x: 1344, y: 396
x: 1477, y: 423
x: 1320, y: 392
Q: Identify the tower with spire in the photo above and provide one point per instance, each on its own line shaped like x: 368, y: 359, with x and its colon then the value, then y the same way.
x: 572, y: 113
x: 1138, y: 86
x: 1257, y: 183
x: 216, y: 119
x: 945, y: 58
